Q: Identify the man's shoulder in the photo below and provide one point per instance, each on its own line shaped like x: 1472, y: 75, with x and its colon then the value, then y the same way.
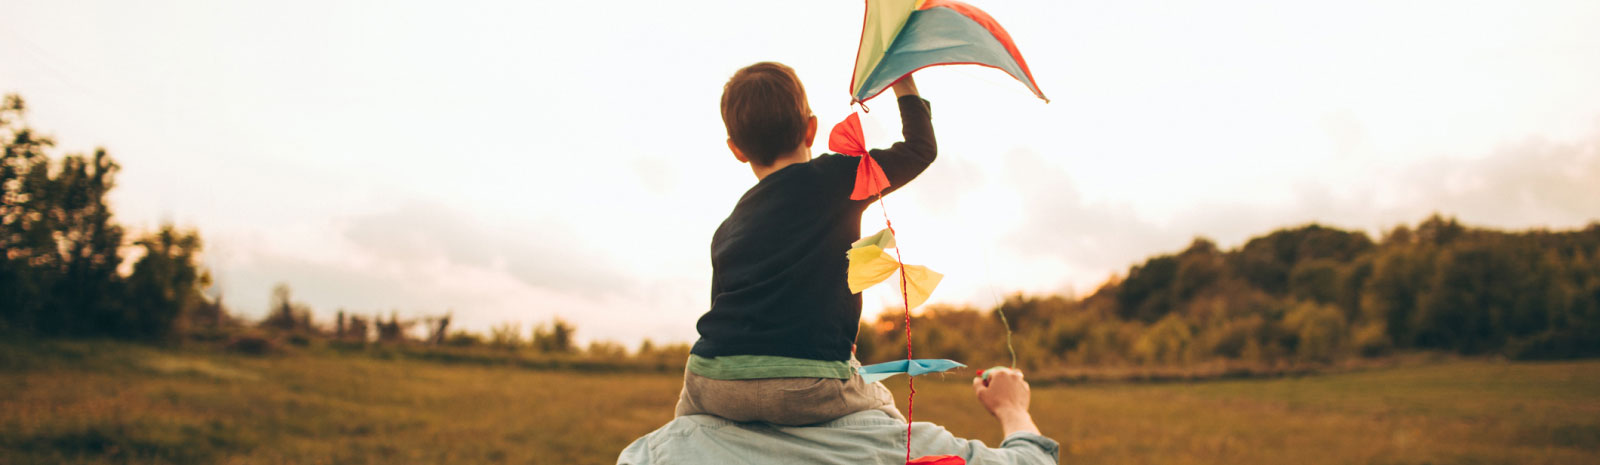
x: 711, y: 439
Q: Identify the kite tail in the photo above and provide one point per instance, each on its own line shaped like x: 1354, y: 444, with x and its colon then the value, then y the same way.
x: 911, y: 381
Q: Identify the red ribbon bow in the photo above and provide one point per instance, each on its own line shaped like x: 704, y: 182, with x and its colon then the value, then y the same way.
x: 847, y: 138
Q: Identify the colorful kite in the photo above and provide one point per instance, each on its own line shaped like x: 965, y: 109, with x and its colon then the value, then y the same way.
x: 902, y: 36
x: 899, y: 37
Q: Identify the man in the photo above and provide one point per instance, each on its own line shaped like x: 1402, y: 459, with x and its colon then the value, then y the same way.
x: 866, y: 437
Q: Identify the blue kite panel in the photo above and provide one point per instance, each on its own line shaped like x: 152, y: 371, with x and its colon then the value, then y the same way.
x: 877, y: 372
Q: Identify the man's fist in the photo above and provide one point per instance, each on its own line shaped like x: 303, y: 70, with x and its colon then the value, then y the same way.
x: 1004, y: 391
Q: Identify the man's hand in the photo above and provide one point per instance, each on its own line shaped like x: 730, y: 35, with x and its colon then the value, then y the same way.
x: 905, y: 86
x: 1006, y: 395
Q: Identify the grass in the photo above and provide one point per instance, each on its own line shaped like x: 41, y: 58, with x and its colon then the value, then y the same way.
x: 104, y: 402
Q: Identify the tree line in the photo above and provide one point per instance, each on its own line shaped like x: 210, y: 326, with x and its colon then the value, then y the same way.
x: 1309, y: 294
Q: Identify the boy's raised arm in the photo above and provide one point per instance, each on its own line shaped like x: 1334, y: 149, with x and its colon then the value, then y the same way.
x: 905, y: 87
x: 904, y: 160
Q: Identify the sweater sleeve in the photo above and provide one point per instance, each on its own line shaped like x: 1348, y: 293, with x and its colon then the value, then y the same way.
x: 904, y: 160
x: 1016, y: 449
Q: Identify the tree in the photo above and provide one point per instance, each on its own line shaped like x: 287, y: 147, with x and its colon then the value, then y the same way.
x: 1316, y: 280
x: 58, y: 274
x: 23, y: 238
x: 1147, y: 294
x: 166, y: 283
x: 280, y: 310
x: 88, y: 242
x: 395, y: 329
x: 1320, y: 331
x: 555, y: 337
x: 505, y: 336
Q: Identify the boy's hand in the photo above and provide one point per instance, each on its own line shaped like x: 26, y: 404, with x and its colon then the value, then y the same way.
x: 905, y: 86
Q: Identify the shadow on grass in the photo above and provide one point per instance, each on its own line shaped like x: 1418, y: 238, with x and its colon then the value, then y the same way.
x: 137, y: 442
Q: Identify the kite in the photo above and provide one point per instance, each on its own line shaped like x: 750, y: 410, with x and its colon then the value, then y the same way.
x: 899, y: 37
x: 902, y: 36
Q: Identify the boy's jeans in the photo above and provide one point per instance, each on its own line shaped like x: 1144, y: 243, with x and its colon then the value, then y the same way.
x: 783, y: 401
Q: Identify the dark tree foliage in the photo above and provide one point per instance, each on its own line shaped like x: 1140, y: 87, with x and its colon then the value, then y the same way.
x: 1312, y: 294
x: 554, y: 337
x: 166, y: 284
x: 61, y: 247
x: 1147, y: 293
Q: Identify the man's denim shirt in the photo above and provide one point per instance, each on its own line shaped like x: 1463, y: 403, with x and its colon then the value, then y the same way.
x: 861, y: 438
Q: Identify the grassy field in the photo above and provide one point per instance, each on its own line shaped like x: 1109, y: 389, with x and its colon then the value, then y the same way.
x: 97, y: 402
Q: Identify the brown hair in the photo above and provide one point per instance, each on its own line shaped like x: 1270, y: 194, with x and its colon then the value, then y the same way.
x: 764, y: 107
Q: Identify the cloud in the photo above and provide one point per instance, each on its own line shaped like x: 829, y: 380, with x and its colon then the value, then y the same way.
x: 549, y: 256
x: 1535, y: 182
x: 1060, y: 223
x: 1528, y: 184
x: 423, y: 258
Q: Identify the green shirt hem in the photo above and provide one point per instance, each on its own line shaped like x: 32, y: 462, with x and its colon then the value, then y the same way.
x: 735, y: 367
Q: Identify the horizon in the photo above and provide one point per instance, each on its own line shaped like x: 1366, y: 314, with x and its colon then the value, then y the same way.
x: 405, y: 159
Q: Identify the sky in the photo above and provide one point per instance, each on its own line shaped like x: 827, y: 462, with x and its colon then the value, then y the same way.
x: 517, y: 161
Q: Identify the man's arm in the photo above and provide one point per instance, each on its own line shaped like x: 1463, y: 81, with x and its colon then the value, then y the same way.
x: 904, y: 160
x: 1006, y: 396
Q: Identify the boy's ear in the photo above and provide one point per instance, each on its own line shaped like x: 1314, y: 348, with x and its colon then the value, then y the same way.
x: 738, y: 154
x: 811, y: 131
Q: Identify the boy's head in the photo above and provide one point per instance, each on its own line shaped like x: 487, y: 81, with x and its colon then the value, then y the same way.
x: 765, y: 110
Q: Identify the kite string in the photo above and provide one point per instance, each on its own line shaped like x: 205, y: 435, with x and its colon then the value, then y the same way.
x: 911, y: 381
x: 999, y: 309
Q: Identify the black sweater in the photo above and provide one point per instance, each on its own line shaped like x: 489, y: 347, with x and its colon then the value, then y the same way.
x: 778, y: 262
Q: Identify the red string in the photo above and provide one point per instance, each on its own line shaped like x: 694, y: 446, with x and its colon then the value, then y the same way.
x: 911, y: 381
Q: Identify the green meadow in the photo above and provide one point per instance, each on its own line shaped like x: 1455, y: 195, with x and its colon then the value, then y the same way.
x: 106, y: 402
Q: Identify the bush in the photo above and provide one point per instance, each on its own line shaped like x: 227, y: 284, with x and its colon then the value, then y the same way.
x: 1319, y: 331
x: 253, y: 344
x: 1372, y: 340
x: 1167, y: 341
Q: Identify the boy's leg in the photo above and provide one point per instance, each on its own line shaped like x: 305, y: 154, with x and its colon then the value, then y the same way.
x: 781, y: 401
x: 686, y: 401
x: 816, y: 400
x: 745, y: 400
x: 860, y: 395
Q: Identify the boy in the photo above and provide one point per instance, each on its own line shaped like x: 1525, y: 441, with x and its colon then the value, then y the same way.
x: 778, y: 344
